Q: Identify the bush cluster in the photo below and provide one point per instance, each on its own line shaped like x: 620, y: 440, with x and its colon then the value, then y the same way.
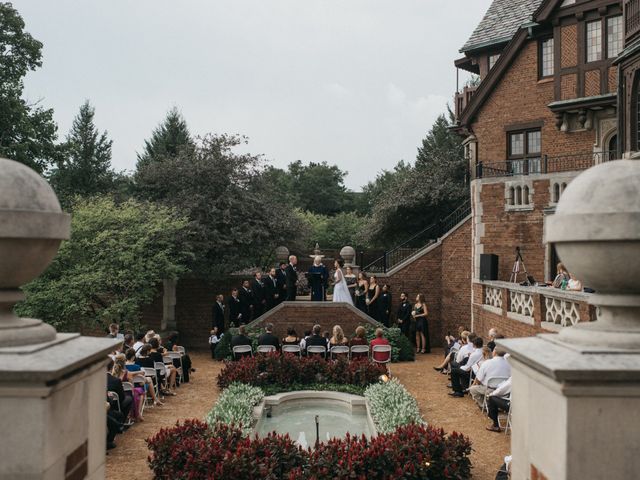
x: 235, y: 407
x: 193, y: 450
x: 285, y: 370
x: 391, y: 406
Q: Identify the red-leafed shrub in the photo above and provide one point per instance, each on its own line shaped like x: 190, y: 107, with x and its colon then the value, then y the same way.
x: 192, y: 451
x: 275, y: 369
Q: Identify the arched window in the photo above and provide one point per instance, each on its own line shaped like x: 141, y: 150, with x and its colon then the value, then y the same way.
x: 564, y: 185
x: 518, y: 195
x: 556, y: 192
x: 511, y: 196
x: 525, y: 195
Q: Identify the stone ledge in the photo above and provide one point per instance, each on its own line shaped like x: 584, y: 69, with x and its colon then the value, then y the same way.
x: 492, y: 309
x: 521, y: 318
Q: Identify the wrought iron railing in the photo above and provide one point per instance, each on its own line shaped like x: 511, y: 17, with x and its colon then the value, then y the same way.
x: 631, y: 18
x: 419, y: 241
x: 542, y: 164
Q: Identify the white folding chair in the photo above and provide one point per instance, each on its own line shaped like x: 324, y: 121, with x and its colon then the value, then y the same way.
x: 359, y: 349
x: 151, y: 373
x: 177, y: 356
x: 266, y: 348
x: 317, y: 350
x: 491, y: 384
x: 382, y: 349
x: 128, y: 387
x: 295, y: 349
x: 167, y: 360
x: 182, y: 350
x: 507, y: 426
x: 139, y: 381
x: 241, y: 350
x: 339, y: 350
x: 113, y: 396
x: 162, y: 371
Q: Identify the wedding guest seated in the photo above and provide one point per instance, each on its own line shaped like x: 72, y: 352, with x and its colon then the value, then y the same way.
x: 460, y: 375
x: 172, y: 344
x: 316, y: 340
x: 139, y: 342
x: 456, y: 355
x: 214, y: 339
x: 574, y: 284
x: 359, y: 339
x: 498, y: 400
x: 127, y: 343
x: 303, y: 341
x: 339, y: 340
x: 115, y: 425
x: 562, y: 276
x: 241, y: 339
x: 138, y: 393
x: 498, y: 366
x: 114, y: 384
x: 291, y: 338
x: 268, y: 338
x: 327, y: 337
x: 451, y: 339
x: 114, y: 332
x: 155, y: 354
x: 135, y: 369
x: 491, y: 343
x: 379, y: 340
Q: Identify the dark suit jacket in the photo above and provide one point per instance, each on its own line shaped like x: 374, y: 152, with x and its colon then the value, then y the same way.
x: 246, y: 301
x: 258, y: 289
x: 269, y: 339
x: 240, y: 340
x: 316, y: 341
x: 217, y: 313
x: 404, y: 311
x: 115, y: 385
x: 270, y: 291
x: 234, y: 310
x: 292, y: 279
x: 281, y: 276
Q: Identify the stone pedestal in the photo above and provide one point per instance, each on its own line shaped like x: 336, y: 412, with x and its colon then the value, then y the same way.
x: 575, y: 411
x: 52, y: 409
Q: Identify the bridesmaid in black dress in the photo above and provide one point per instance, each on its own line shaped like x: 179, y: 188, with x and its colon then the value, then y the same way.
x: 420, y: 313
x: 361, y: 292
x: 373, y: 298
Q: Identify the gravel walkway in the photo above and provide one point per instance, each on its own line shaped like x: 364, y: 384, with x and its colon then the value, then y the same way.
x: 195, y: 399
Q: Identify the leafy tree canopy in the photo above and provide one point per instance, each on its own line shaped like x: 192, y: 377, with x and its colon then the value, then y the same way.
x: 85, y: 166
x: 27, y: 131
x: 236, y: 221
x: 318, y: 187
x: 110, y: 267
x: 167, y: 140
x: 345, y: 228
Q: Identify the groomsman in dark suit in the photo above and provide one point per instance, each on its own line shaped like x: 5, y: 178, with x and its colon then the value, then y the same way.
x: 404, y: 314
x: 235, y: 310
x: 218, y: 314
x: 271, y: 289
x: 246, y: 301
x: 281, y: 276
x: 292, y: 278
x: 259, y: 295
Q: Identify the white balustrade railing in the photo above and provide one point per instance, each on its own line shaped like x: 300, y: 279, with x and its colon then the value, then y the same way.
x: 562, y: 312
x: 493, y: 297
x: 521, y: 303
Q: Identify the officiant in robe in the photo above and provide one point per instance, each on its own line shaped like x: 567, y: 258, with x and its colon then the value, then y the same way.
x: 318, y: 280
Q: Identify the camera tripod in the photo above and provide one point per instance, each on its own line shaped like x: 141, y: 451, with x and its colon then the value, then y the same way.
x: 519, y: 266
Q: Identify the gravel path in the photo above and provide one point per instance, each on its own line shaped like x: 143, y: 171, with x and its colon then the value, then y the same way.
x: 196, y: 398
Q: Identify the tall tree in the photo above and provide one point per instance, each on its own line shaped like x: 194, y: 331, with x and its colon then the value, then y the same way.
x: 85, y: 167
x: 167, y: 140
x: 27, y: 131
x: 319, y: 187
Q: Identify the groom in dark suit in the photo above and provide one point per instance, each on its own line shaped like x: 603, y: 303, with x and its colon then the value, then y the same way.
x: 292, y: 278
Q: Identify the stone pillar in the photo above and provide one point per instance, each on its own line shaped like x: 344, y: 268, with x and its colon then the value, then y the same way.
x: 575, y: 395
x: 52, y: 386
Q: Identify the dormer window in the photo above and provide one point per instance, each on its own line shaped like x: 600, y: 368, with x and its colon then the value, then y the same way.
x: 493, y: 59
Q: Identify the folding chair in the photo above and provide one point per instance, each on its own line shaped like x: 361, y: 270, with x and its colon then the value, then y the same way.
x: 139, y: 381
x: 382, y: 349
x: 359, y: 349
x: 113, y: 396
x: 266, y: 348
x: 161, y: 372
x: 339, y: 350
x: 151, y: 373
x: 241, y: 350
x: 128, y: 387
x: 507, y: 426
x: 492, y: 383
x: 317, y: 350
x: 294, y: 349
x: 177, y: 357
x: 182, y: 350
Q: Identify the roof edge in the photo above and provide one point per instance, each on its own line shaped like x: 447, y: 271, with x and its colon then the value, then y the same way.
x: 483, y: 45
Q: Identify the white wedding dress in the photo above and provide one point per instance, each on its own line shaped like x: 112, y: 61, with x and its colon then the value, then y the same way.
x: 340, y: 289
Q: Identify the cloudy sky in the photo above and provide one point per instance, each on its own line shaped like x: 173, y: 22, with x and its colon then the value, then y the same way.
x: 354, y: 82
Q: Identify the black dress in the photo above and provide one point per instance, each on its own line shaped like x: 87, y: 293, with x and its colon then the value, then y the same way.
x: 385, y: 308
x: 374, y: 306
x: 422, y: 326
x: 361, y: 298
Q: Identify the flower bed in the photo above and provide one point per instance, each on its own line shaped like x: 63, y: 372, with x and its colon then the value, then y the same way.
x: 401, y: 348
x: 282, y: 371
x: 193, y: 450
x: 235, y: 407
x: 391, y: 406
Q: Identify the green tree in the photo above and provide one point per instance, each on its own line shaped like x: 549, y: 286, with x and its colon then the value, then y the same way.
x: 27, y: 131
x: 167, y: 140
x: 345, y: 228
x: 85, y: 167
x: 235, y: 220
x: 419, y: 196
x: 319, y: 187
x: 110, y: 267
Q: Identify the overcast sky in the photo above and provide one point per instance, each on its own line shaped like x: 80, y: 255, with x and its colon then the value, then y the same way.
x: 357, y: 83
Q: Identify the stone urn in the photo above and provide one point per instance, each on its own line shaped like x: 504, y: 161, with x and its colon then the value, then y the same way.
x: 32, y: 226
x: 596, y: 231
x: 348, y: 254
x: 282, y: 254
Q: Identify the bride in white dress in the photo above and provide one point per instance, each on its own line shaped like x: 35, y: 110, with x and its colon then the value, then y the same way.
x: 340, y: 290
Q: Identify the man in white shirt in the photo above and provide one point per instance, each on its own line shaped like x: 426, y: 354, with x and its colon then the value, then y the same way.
x: 139, y: 343
x: 460, y: 375
x: 464, y: 351
x: 499, y: 399
x: 497, y: 367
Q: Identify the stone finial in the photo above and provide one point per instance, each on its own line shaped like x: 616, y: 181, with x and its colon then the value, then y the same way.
x: 596, y: 231
x: 32, y: 226
x: 348, y: 253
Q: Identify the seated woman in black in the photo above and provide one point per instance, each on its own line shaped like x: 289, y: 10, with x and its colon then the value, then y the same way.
x: 155, y: 354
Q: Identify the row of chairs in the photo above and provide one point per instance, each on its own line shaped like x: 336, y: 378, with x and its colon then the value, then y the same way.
x: 334, y: 352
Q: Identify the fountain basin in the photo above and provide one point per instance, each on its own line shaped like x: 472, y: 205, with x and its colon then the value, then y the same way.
x: 294, y: 413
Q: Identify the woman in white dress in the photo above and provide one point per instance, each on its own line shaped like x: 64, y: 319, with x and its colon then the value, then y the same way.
x: 340, y: 288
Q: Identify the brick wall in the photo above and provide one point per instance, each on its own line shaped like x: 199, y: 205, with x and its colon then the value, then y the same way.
x: 303, y: 315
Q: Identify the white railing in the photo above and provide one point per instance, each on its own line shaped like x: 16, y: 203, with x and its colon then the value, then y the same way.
x: 521, y: 303
x: 493, y: 297
x: 562, y: 312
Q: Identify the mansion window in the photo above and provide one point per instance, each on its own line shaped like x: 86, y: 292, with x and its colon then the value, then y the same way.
x: 613, y: 35
x: 546, y: 57
x: 493, y: 59
x: 524, y: 151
